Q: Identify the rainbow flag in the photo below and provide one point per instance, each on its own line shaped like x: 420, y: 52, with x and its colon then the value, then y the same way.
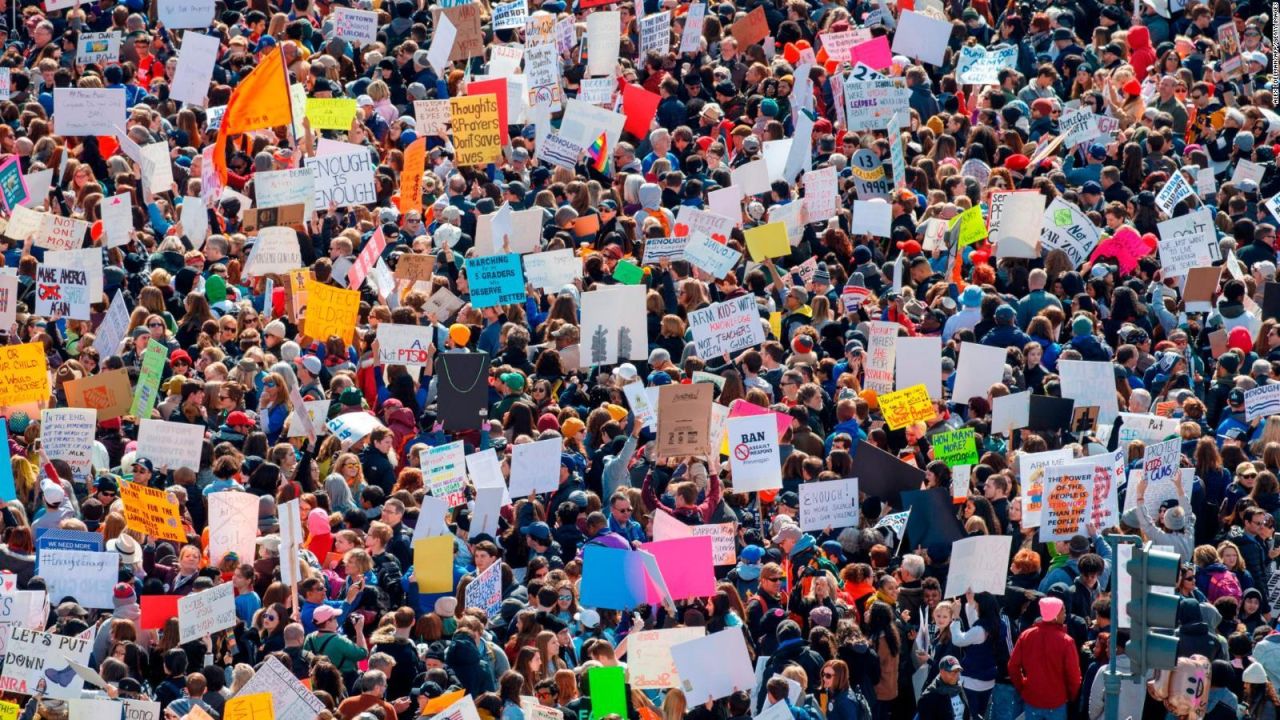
x: 599, y: 154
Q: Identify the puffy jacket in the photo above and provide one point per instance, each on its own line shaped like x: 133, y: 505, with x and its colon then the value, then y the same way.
x: 1044, y: 666
x: 1141, y: 54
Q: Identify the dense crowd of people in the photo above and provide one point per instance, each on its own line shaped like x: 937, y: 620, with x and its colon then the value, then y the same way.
x: 847, y: 623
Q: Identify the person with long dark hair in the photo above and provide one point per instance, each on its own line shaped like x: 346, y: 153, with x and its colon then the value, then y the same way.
x: 882, y: 634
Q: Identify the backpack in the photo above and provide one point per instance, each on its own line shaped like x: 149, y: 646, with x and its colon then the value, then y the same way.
x: 1222, y: 584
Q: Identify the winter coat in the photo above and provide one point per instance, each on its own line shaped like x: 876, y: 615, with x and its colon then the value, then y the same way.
x: 1044, y: 666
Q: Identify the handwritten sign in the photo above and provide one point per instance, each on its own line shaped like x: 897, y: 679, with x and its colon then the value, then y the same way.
x: 907, y: 406
x: 151, y: 511
x: 24, y: 374
x: 206, y: 612
x: 829, y: 504
x: 957, y: 447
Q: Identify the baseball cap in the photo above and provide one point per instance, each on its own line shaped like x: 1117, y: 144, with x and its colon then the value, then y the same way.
x: 310, y: 362
x: 539, y: 530
x: 949, y: 664
x: 324, y: 614
x: 238, y: 418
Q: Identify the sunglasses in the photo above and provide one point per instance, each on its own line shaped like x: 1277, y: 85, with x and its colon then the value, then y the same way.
x: 268, y: 384
x: 156, y: 324
x: 829, y: 675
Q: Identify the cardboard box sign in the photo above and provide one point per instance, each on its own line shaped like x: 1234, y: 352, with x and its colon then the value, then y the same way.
x: 291, y: 215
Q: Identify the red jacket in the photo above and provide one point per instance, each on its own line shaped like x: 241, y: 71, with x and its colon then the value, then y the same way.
x: 1045, y: 666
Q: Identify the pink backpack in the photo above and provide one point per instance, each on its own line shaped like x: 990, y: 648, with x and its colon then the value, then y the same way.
x: 1222, y: 584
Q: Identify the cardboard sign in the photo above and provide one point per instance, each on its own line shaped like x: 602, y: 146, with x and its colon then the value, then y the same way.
x: 751, y: 29
x: 206, y: 612
x: 62, y: 292
x: 684, y: 420
x: 86, y: 576
x: 276, y: 251
x: 408, y: 345
x: 150, y: 511
x: 907, y: 406
x: 233, y: 525
x: 828, y: 504
x: 714, y: 666
x: 170, y: 444
x: 477, y: 133
x: 284, y: 215
x: 331, y: 311
x: 1187, y: 242
x: 613, y: 325
x: 415, y: 267
x: 649, y: 661
x: 980, y: 564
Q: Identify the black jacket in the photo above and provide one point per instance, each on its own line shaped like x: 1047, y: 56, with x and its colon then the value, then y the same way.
x: 938, y: 702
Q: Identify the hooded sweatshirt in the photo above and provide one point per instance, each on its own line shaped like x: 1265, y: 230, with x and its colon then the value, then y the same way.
x: 650, y: 206
x: 943, y: 701
x: 1141, y: 54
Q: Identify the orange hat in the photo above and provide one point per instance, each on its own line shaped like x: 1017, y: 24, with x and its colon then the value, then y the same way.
x: 572, y: 427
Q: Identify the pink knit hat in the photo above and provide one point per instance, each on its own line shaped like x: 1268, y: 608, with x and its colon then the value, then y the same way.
x: 318, y: 522
x: 1050, y: 607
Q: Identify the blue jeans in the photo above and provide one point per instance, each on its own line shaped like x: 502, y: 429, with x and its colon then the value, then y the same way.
x: 1035, y: 713
x: 1006, y: 703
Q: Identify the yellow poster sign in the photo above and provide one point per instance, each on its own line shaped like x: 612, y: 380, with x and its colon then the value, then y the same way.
x: 331, y: 113
x: 477, y: 138
x: 331, y: 311
x: 433, y: 564
x: 249, y: 707
x: 972, y: 226
x: 9, y: 711
x: 24, y: 374
x: 768, y: 241
x: 907, y: 406
x: 150, y: 511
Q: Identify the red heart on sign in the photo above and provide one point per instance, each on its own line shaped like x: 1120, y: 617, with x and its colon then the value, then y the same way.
x: 720, y: 238
x: 681, y: 230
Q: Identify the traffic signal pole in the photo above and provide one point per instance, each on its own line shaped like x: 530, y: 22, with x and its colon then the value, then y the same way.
x: 1148, y: 612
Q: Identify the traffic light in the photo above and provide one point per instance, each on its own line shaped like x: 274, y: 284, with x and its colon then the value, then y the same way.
x: 1148, y: 609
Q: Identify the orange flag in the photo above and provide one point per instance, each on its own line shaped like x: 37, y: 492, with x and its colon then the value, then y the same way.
x: 415, y: 163
x: 261, y: 100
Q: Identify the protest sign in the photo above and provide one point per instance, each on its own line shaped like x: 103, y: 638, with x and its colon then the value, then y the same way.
x: 485, y: 591
x: 67, y: 434
x: 1108, y: 473
x: 331, y: 311
x: 725, y: 328
x: 715, y: 259
x: 714, y: 666
x: 86, y: 576
x: 145, y: 391
x: 343, y: 175
x: 535, y: 467
x: 249, y: 706
x: 191, y: 79
x: 351, y: 427
x: 980, y: 367
x: 8, y: 300
x: 657, y: 249
x: 151, y: 511
x: 613, y: 325
x: 1261, y: 401
x: 868, y: 105
x: 495, y: 280
x: 431, y: 117
x: 1176, y: 190
x: 1065, y: 506
x: 180, y: 14
x: 13, y: 187
x: 433, y: 563
x: 754, y: 453
x: 233, y: 524
x: 1031, y: 475
x: 637, y: 396
x: 469, y: 39
x: 684, y: 420
x: 443, y: 470
x: 1016, y: 230
x: 956, y: 447
x: 62, y: 292
x: 871, y: 217
x: 206, y: 612
x: 828, y: 504
x: 768, y: 241
x: 170, y: 445
x: 358, y: 26
x: 604, y: 33
x: 24, y: 374
x: 907, y: 406
x: 1067, y: 229
x: 400, y: 344
x: 1161, y: 460
x: 655, y: 33
x: 1187, y: 242
x: 881, y: 349
x: 553, y: 269
x: 918, y: 361
x: 649, y: 661
x: 275, y: 251
x: 1090, y: 383
x: 978, y: 66
x: 277, y: 188
x: 559, y: 151
x: 1077, y: 126
x: 980, y: 564
x: 290, y: 699
x: 922, y: 37
x: 477, y: 136
x: 331, y: 113
x: 750, y: 29
x: 87, y: 111
x: 33, y: 658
